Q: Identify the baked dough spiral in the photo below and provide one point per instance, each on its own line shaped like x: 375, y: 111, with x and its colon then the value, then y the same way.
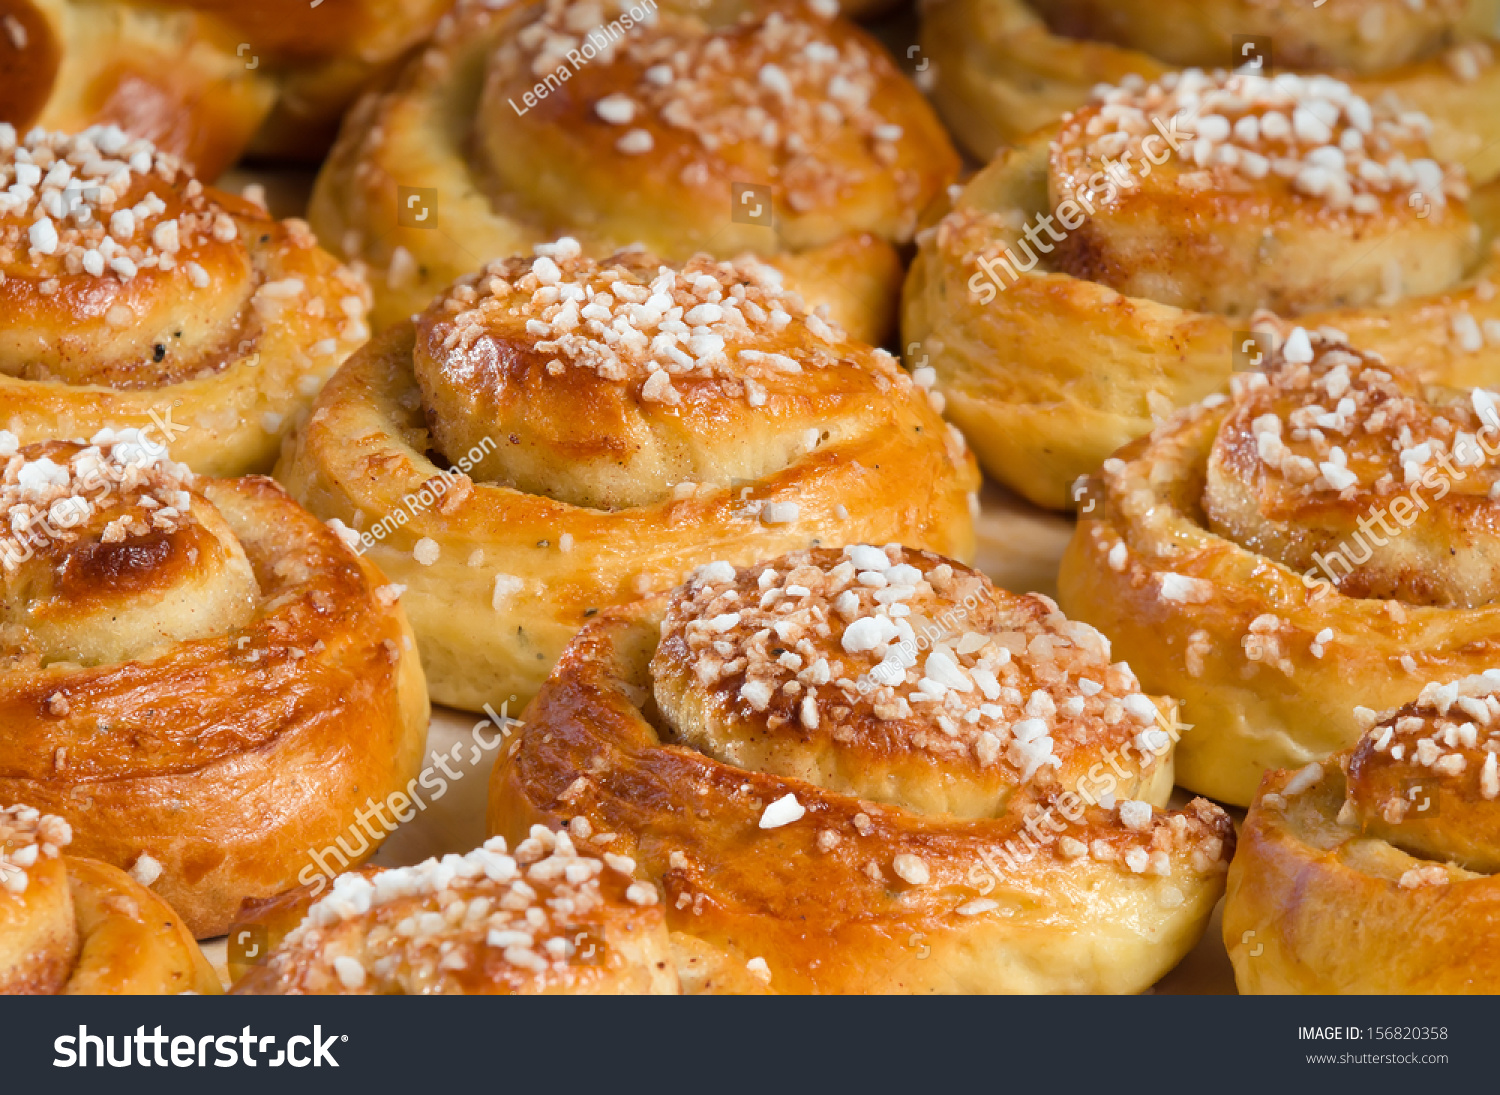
x: 135, y: 297
x: 81, y: 927
x: 1323, y: 538
x: 1109, y: 270
x: 1003, y: 68
x: 869, y: 770
x: 1373, y: 872
x: 597, y: 430
x: 552, y: 916
x: 622, y: 123
x: 195, y: 674
x: 204, y: 79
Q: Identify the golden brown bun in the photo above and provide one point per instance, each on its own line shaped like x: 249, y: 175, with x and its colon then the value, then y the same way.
x: 1003, y: 68
x: 135, y: 297
x: 622, y: 149
x: 1052, y: 354
x: 1372, y: 872
x: 616, y: 945
x: 204, y: 79
x: 1324, y: 538
x: 584, y: 473
x: 196, y: 674
x: 755, y: 742
x: 547, y: 919
x: 81, y: 927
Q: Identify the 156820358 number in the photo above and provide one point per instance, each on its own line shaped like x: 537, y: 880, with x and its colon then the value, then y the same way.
x: 1407, y: 1034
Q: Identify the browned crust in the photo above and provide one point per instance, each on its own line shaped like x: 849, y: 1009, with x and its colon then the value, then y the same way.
x: 133, y: 943
x: 1251, y: 713
x: 893, y: 470
x: 204, y: 78
x: 90, y: 929
x: 620, y: 947
x: 822, y: 920
x: 1315, y: 908
x: 419, y: 131
x: 231, y: 758
x: 1002, y: 72
x: 1050, y: 376
x: 227, y: 405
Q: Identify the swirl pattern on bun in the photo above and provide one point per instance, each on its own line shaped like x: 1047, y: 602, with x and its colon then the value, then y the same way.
x: 135, y: 297
x: 80, y: 927
x: 623, y: 123
x: 822, y: 757
x: 195, y: 674
x: 556, y: 434
x: 1004, y: 68
x: 1398, y: 835
x: 1124, y: 262
x: 1320, y: 539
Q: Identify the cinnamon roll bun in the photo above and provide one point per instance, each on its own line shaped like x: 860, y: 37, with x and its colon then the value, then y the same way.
x: 1323, y: 538
x: 555, y: 435
x: 203, y: 79
x: 771, y: 127
x: 1003, y: 68
x: 196, y: 675
x: 869, y: 770
x: 80, y: 927
x: 137, y: 298
x: 1117, y: 267
x: 1396, y: 836
x: 552, y: 916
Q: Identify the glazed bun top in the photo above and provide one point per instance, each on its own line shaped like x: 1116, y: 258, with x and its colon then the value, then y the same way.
x: 1228, y: 192
x: 895, y: 676
x: 665, y: 110
x: 1426, y: 778
x: 613, y: 380
x: 111, y: 549
x: 547, y: 916
x: 1335, y: 461
x: 119, y: 268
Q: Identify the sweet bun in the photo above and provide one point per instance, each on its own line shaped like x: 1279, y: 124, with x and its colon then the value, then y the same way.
x: 869, y: 770
x: 622, y: 123
x: 206, y: 80
x: 1373, y: 872
x: 1321, y: 539
x: 556, y: 434
x: 80, y: 927
x: 547, y: 918
x: 199, y: 677
x: 135, y: 297
x: 1003, y: 68
x: 1122, y: 263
